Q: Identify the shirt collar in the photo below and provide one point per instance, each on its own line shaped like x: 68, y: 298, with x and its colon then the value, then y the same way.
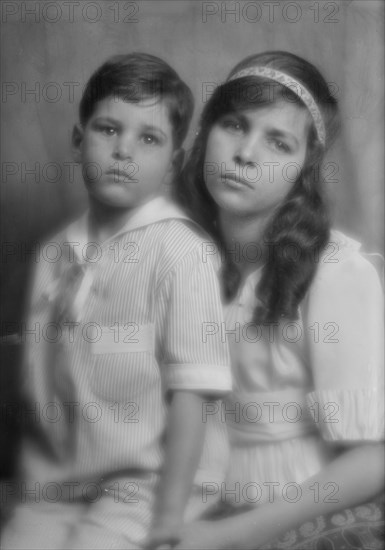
x: 157, y: 209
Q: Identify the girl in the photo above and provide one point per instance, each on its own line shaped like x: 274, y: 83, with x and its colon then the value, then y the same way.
x: 303, y: 308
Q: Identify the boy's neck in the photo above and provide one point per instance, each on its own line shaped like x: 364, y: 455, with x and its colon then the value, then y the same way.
x: 243, y: 238
x: 105, y: 221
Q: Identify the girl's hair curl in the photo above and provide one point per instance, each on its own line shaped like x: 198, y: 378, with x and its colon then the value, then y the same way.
x: 299, y: 227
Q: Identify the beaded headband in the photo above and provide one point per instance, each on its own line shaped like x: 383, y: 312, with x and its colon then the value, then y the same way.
x: 294, y: 86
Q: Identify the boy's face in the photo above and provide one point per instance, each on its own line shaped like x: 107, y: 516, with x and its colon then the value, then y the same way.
x: 126, y: 150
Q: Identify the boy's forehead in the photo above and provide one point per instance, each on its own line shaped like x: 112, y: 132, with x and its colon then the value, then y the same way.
x: 153, y: 107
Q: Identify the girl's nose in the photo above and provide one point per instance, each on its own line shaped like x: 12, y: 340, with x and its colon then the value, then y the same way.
x: 124, y: 148
x: 246, y: 152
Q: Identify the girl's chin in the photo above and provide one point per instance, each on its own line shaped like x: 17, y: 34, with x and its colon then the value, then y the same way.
x: 236, y: 205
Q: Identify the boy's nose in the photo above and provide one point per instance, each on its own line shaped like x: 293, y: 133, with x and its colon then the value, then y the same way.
x: 124, y: 148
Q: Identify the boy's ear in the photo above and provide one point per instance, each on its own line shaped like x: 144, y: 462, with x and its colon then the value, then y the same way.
x: 177, y: 160
x: 77, y: 140
x: 175, y: 166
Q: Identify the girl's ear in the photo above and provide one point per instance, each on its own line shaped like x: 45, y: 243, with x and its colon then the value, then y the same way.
x: 77, y: 140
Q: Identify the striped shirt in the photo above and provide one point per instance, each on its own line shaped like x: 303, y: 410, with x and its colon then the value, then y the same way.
x: 116, y: 326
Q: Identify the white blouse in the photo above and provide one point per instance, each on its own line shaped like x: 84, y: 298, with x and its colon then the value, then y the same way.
x: 300, y: 384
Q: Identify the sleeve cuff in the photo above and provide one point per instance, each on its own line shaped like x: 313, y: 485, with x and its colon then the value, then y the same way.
x: 349, y: 415
x: 208, y: 379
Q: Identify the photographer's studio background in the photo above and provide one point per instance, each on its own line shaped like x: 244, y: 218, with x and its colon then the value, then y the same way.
x: 48, y: 53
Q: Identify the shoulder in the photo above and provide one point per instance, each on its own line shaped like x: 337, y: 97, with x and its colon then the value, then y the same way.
x: 343, y: 261
x: 63, y: 235
x: 346, y: 284
x: 181, y: 241
x: 55, y: 248
x: 49, y: 250
x: 182, y: 230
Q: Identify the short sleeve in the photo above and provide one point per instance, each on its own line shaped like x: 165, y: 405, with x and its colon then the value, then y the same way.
x: 195, y: 357
x: 346, y: 349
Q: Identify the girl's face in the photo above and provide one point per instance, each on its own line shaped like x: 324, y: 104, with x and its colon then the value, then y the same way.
x: 254, y: 157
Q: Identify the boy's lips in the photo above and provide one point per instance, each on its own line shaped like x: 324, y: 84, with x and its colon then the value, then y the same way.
x: 120, y: 175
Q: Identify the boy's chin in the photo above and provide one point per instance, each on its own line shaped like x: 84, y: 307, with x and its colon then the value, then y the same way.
x: 112, y: 202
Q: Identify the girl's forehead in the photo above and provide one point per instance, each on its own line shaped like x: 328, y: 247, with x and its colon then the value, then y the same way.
x: 278, y: 109
x: 281, y: 113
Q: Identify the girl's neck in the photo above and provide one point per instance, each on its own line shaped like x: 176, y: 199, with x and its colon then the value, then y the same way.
x: 243, y: 240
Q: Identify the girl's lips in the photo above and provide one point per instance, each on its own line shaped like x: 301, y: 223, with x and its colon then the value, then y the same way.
x: 236, y: 183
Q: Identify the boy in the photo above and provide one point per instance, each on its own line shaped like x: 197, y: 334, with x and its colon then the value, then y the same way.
x: 123, y: 312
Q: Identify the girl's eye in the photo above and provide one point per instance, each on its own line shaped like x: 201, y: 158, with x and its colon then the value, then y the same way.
x: 280, y: 145
x: 232, y: 124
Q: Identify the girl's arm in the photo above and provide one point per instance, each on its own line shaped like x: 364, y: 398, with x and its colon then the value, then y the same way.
x: 357, y: 474
x: 185, y: 435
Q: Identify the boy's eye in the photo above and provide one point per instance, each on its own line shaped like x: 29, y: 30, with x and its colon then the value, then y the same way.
x: 150, y: 139
x: 106, y: 129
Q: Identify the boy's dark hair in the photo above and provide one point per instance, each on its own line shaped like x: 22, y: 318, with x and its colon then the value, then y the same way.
x: 135, y: 77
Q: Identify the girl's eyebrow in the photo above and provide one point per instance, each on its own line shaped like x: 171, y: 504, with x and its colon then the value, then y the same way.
x: 275, y: 132
x: 240, y: 117
x: 246, y: 123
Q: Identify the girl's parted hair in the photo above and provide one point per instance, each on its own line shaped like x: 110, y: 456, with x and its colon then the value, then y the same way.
x: 299, y: 228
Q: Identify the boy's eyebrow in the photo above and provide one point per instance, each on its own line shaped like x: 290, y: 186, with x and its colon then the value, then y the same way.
x: 146, y: 127
x: 151, y: 128
x: 107, y: 118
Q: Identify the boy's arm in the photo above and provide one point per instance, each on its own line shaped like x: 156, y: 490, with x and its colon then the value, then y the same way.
x: 185, y: 435
x: 195, y: 365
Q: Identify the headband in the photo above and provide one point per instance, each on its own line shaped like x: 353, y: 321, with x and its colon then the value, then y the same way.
x: 294, y: 86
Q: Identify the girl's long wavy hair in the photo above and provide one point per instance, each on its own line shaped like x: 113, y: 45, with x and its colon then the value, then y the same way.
x: 299, y: 227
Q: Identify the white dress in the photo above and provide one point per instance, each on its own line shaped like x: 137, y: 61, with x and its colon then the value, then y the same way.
x: 299, y: 385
